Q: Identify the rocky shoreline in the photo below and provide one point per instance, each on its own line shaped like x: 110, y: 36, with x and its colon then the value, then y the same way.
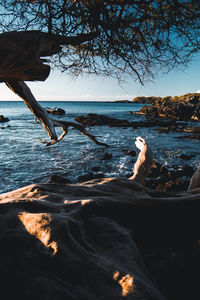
x: 183, y: 108
x: 165, y: 115
x: 160, y: 178
x: 102, y: 120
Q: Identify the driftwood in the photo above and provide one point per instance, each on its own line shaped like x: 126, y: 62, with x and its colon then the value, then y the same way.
x: 144, y: 162
x: 109, y: 238
x: 23, y: 91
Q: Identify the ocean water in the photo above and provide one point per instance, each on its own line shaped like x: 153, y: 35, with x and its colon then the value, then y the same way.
x: 24, y: 160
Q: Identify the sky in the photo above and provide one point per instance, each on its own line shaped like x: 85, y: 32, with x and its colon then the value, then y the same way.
x: 59, y: 86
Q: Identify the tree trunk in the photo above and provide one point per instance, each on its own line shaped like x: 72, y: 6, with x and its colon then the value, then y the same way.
x: 21, y: 52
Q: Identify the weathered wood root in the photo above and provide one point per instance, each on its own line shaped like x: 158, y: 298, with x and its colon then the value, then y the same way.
x: 107, y: 238
x: 144, y: 161
x: 40, y: 113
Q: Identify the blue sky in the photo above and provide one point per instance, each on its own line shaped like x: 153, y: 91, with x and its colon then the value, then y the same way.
x: 59, y: 86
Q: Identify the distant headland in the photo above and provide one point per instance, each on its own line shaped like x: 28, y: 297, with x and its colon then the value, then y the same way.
x: 152, y: 99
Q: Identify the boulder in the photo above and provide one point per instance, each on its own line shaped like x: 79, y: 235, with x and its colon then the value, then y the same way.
x: 162, y: 179
x: 130, y: 152
x: 56, y: 111
x: 3, y: 119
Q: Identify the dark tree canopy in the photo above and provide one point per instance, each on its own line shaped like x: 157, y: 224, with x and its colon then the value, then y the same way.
x: 113, y: 38
x: 129, y: 36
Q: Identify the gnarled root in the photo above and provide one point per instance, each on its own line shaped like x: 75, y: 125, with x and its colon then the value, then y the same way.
x: 144, y: 161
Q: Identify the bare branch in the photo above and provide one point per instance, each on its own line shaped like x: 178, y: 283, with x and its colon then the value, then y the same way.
x: 23, y: 91
x: 169, y: 156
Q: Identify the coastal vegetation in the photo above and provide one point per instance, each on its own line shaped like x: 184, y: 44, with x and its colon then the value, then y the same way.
x: 152, y: 99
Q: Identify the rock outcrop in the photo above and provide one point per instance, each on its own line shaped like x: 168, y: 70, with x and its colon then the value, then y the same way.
x: 183, y: 108
x: 56, y: 111
x: 3, y: 119
x: 173, y: 180
x: 102, y: 239
x: 102, y: 120
x: 147, y: 100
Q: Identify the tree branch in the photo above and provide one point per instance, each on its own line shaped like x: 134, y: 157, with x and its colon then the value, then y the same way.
x: 24, y: 92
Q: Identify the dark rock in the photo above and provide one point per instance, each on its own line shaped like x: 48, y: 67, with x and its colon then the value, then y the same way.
x: 181, y: 108
x: 56, y: 111
x: 107, y: 156
x: 145, y: 99
x: 192, y: 129
x: 158, y: 170
x: 3, y: 119
x: 165, y: 180
x: 101, y: 120
x: 163, y: 129
x: 192, y: 136
x: 89, y: 176
x: 96, y: 168
x: 58, y: 179
x: 196, y: 114
x: 179, y: 127
x: 8, y: 126
x: 186, y: 156
x: 122, y: 101
x: 188, y: 171
x: 130, y: 152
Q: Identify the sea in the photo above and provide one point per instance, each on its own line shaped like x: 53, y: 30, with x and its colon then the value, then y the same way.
x: 25, y: 160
